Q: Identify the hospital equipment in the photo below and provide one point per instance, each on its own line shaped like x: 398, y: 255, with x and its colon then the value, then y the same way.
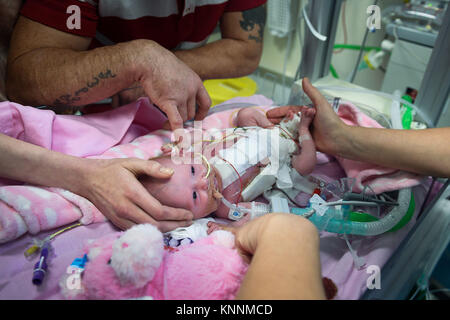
x: 415, y: 26
x: 432, y: 98
x: 40, y: 268
x: 335, y: 216
x: 221, y: 90
x: 413, y: 261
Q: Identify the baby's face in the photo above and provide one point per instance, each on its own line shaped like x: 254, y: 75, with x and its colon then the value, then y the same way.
x: 188, y: 188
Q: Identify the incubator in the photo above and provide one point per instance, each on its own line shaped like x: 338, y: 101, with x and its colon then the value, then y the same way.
x: 349, y: 214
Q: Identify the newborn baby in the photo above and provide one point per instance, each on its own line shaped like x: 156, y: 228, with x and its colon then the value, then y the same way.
x: 199, y: 186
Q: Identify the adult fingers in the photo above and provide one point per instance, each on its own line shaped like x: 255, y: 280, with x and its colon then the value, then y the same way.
x: 166, y: 125
x: 281, y: 112
x: 175, y: 119
x: 115, y: 101
x: 204, y: 103
x: 316, y: 97
x: 169, y: 213
x: 139, y: 195
x: 275, y: 120
x: 121, y: 223
x: 263, y: 122
x: 148, y: 167
x: 183, y: 110
x: 191, y: 109
x: 135, y: 214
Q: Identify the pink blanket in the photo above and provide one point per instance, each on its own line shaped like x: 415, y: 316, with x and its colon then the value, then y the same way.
x: 379, y: 179
x: 125, y: 132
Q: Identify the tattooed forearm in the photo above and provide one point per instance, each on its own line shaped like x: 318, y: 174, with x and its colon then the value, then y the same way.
x: 253, y: 18
x: 70, y: 100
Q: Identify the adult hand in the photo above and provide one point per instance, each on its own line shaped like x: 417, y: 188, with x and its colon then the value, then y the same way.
x: 173, y: 86
x: 284, y: 253
x: 112, y: 186
x: 328, y: 130
x: 250, y: 234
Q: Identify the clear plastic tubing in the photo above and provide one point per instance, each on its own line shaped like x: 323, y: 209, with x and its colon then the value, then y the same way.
x: 372, y: 228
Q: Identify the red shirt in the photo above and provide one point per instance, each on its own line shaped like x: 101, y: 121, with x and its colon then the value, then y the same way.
x: 174, y: 24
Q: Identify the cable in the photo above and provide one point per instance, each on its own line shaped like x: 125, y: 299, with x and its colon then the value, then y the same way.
x: 356, y: 47
x: 426, y: 198
x: 355, y: 69
x: 313, y: 30
x: 355, y: 203
x: 300, y: 42
x: 344, y: 27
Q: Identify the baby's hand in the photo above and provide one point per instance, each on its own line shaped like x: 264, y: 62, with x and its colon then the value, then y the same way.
x: 306, y: 119
x: 249, y: 117
x: 214, y: 226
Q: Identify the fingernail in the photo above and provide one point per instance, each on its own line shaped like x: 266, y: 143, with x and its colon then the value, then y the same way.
x: 166, y: 170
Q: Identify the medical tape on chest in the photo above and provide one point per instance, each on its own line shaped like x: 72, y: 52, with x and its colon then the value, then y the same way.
x: 255, y: 146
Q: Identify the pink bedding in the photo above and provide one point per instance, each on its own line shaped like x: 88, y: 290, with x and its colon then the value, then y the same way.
x: 124, y: 132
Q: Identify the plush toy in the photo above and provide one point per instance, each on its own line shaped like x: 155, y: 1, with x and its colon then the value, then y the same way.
x: 136, y: 264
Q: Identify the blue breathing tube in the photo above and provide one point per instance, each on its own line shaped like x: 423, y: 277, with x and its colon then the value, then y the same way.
x: 333, y: 220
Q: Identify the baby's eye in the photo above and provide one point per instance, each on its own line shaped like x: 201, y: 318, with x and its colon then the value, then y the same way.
x: 194, y: 195
x: 192, y: 170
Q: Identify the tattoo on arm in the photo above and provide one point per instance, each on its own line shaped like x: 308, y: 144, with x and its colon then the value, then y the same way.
x: 69, y: 99
x: 252, y: 18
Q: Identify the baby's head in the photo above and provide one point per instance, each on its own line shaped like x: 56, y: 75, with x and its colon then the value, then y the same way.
x: 188, y: 187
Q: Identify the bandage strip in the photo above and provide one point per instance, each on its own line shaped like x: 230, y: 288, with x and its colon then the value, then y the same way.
x: 303, y: 137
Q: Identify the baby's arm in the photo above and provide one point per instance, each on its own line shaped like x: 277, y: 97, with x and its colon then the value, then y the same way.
x: 305, y: 162
x: 249, y: 117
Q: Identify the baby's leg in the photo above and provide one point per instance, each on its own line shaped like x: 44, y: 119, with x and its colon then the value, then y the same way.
x: 305, y: 162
